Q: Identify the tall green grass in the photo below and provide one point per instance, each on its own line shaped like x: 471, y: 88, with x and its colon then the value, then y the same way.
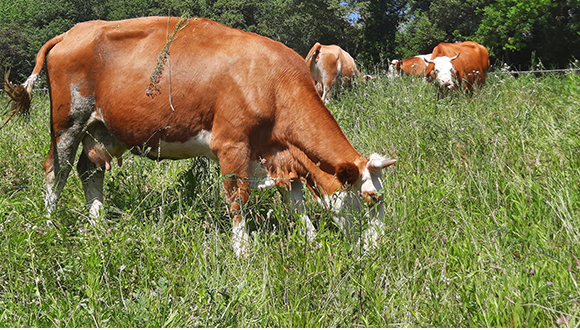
x: 482, y: 225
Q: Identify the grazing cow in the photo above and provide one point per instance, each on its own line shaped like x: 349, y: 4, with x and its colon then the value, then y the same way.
x: 467, y: 62
x: 330, y: 64
x: 415, y: 65
x: 241, y: 99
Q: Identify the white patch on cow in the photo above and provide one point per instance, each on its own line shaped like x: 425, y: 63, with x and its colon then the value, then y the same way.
x: 93, y: 189
x: 50, y: 197
x: 196, y: 146
x: 338, y: 203
x: 240, y: 238
x: 349, y: 208
x: 374, y: 232
x: 97, y: 116
x: 29, y: 83
x: 392, y: 71
x: 426, y: 57
x: 310, y: 230
x: 444, y: 70
x: 95, y: 208
x: 81, y: 107
x: 259, y: 177
x: 294, y: 197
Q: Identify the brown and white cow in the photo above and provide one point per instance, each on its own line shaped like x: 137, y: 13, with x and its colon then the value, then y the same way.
x: 467, y: 62
x: 241, y: 99
x: 331, y: 64
x: 415, y: 65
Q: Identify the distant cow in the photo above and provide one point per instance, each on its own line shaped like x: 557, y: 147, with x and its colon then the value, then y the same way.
x: 330, y: 64
x: 415, y: 65
x: 206, y: 90
x: 467, y: 62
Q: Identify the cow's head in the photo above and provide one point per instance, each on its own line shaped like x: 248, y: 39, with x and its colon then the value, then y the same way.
x: 364, y: 196
x: 443, y: 70
x: 395, y: 67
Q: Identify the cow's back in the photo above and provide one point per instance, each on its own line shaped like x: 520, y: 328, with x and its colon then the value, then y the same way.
x: 414, y: 65
x: 119, y: 67
x: 348, y: 64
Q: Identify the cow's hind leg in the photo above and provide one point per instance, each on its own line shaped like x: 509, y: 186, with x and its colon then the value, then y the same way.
x: 66, y: 133
x: 92, y: 179
x: 57, y: 167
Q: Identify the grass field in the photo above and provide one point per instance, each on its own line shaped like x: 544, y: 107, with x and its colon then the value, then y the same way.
x: 482, y: 225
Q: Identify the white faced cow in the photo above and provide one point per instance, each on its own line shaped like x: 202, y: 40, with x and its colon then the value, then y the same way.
x: 467, y: 62
x: 241, y: 99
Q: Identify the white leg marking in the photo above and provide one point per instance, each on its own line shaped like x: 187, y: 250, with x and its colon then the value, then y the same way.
x: 95, y: 208
x: 50, y: 197
x: 93, y: 188
x: 259, y: 177
x: 295, y: 200
x: 240, y: 238
x: 373, y: 233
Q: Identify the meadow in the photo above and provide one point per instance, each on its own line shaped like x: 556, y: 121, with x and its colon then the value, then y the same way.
x: 482, y: 225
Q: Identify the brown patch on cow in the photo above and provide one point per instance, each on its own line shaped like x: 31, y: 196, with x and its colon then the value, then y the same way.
x: 153, y: 86
x: 347, y: 173
x: 411, y: 66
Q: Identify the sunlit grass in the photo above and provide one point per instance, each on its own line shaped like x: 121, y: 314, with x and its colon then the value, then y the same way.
x: 483, y: 225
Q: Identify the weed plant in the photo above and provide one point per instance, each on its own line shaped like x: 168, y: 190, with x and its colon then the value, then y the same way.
x: 482, y: 225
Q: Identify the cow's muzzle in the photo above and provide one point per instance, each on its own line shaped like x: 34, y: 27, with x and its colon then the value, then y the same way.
x: 370, y: 198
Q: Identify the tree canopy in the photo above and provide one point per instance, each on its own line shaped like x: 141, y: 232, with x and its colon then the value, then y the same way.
x: 517, y: 32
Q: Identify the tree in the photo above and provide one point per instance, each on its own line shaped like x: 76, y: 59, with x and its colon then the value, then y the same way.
x: 381, y: 20
x: 430, y: 22
x: 519, y: 32
x: 13, y: 51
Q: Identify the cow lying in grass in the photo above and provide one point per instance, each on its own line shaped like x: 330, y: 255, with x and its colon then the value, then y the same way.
x: 241, y: 99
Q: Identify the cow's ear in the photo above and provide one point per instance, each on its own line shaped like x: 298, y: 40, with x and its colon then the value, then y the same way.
x: 347, y: 173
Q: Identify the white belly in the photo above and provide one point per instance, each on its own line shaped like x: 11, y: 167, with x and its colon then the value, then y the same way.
x: 196, y: 146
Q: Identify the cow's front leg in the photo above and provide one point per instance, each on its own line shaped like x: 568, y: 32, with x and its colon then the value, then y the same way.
x: 294, y: 198
x: 376, y: 227
x: 237, y: 194
x: 92, y: 179
x: 234, y: 163
x: 373, y: 234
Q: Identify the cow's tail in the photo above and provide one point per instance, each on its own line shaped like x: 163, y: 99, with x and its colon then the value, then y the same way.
x: 313, y: 53
x: 21, y: 95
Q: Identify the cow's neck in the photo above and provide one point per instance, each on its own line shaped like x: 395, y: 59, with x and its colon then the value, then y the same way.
x: 318, y: 135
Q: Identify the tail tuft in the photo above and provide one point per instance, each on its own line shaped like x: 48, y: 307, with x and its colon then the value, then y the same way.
x: 20, y: 98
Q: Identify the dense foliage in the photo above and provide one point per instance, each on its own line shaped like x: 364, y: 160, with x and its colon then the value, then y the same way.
x: 521, y: 33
